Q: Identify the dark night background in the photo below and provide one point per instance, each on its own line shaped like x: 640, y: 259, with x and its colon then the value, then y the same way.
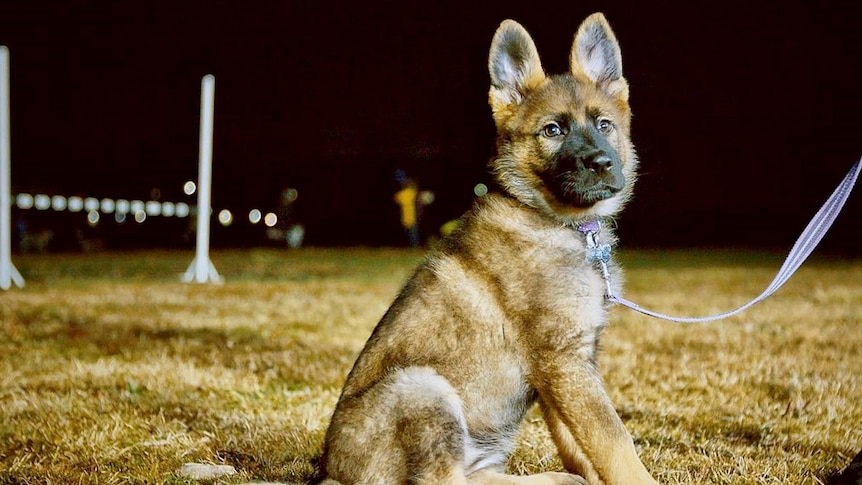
x: 746, y: 113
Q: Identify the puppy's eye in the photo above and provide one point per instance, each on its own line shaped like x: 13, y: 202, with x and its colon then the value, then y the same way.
x: 551, y: 130
x: 605, y: 125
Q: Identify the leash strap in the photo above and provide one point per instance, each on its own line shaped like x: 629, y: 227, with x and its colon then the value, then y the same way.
x: 803, y: 247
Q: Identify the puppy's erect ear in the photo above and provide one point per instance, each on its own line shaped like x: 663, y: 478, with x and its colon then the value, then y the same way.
x: 596, y: 56
x: 515, y: 68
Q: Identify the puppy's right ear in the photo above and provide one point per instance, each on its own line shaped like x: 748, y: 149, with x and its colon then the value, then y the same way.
x: 515, y: 69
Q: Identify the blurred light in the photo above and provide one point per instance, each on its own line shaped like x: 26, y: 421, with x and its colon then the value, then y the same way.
x: 155, y: 193
x: 168, y: 209
x: 290, y: 195
x: 426, y: 197
x: 189, y: 188
x: 254, y: 216
x: 153, y: 208
x: 449, y: 227
x: 24, y: 201
x: 76, y: 203
x: 120, y: 217
x: 480, y: 190
x: 92, y: 217
x: 182, y: 210
x: 108, y: 206
x: 225, y: 217
x: 270, y: 219
x: 295, y: 235
x: 91, y: 204
x: 136, y: 206
x: 58, y: 203
x: 140, y: 216
x: 43, y: 202
x: 123, y: 206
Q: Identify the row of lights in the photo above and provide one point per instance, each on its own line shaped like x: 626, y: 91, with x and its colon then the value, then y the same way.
x: 107, y: 206
x: 121, y: 208
x: 141, y: 210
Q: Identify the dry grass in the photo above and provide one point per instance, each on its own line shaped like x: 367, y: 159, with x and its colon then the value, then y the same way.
x: 111, y: 371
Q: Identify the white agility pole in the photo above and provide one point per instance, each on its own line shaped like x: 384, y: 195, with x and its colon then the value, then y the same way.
x: 202, y: 270
x: 8, y: 272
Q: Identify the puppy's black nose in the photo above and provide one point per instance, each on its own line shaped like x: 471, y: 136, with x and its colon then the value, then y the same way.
x: 599, y: 163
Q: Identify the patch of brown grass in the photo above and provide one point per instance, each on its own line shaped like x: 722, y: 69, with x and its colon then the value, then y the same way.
x: 111, y: 371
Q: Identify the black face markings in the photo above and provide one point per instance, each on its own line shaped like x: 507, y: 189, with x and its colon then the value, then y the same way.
x: 585, y: 168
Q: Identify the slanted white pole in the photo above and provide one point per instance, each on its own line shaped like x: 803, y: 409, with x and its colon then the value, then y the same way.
x: 8, y: 272
x: 202, y: 270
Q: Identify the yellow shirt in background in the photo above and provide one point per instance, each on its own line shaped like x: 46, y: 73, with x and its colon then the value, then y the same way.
x: 406, y: 198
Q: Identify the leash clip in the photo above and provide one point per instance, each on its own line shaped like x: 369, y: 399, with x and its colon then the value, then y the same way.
x: 597, y: 254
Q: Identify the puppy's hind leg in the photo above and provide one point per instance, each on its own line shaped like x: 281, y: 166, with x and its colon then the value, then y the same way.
x: 430, y: 427
x: 407, y: 429
x: 431, y: 430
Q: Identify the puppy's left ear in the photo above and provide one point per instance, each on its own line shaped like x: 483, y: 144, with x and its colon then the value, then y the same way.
x: 596, y: 57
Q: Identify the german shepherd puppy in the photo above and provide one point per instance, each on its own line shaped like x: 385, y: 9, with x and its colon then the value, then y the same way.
x: 507, y: 312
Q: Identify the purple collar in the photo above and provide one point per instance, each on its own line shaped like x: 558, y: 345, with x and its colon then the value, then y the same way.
x: 587, y: 227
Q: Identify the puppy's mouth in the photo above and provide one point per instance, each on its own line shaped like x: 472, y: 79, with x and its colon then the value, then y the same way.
x: 597, y: 193
x: 570, y: 189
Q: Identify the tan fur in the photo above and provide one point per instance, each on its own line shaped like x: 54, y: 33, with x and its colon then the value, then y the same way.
x: 506, y: 312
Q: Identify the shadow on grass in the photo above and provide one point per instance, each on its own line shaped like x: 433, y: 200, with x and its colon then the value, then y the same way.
x: 852, y: 475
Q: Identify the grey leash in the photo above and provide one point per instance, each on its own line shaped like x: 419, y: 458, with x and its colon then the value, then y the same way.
x: 805, y: 244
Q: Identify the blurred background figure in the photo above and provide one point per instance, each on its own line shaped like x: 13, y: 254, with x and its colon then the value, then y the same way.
x: 408, y: 199
x: 286, y: 228
x: 412, y: 201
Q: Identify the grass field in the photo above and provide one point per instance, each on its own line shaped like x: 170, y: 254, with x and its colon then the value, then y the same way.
x: 112, y: 371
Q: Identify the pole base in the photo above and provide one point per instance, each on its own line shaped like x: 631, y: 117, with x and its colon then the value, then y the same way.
x: 192, y: 275
x: 9, y: 274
